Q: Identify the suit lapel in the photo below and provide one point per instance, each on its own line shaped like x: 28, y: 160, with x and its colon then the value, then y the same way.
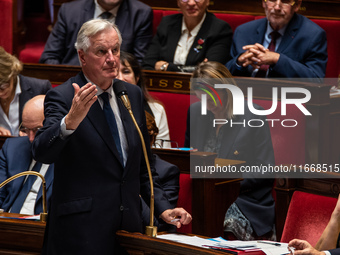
x: 25, y: 95
x: 291, y: 31
x: 88, y: 10
x: 174, y: 35
x: 202, y: 34
x: 49, y: 180
x: 229, y: 137
x: 97, y: 118
x: 121, y: 15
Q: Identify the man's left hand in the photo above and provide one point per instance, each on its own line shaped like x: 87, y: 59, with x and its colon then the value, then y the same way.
x: 177, y: 217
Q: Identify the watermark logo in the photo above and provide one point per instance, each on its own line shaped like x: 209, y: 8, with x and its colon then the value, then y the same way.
x: 238, y: 100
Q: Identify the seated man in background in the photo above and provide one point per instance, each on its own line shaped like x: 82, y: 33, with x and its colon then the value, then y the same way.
x: 24, y: 194
x: 133, y: 18
x: 329, y: 241
x: 284, y: 44
x: 186, y: 39
x: 168, y: 176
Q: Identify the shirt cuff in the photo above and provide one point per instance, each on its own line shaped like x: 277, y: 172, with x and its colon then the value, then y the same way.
x: 327, y: 252
x: 63, y: 131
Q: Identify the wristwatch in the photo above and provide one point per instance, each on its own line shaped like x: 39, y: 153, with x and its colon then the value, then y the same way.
x: 163, y: 66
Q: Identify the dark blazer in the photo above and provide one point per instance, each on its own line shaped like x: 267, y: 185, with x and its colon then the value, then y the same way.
x: 16, y: 157
x: 31, y: 87
x: 94, y: 195
x: 303, y: 49
x: 169, y: 179
x: 216, y: 33
x: 335, y: 251
x: 134, y: 20
x: 253, y: 145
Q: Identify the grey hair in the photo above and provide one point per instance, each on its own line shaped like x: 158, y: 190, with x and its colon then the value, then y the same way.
x: 90, y: 29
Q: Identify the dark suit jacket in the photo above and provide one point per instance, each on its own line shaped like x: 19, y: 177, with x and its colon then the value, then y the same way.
x: 134, y: 20
x: 216, y: 33
x: 253, y: 145
x: 31, y: 87
x: 303, y: 49
x: 94, y: 195
x: 169, y: 178
x: 16, y: 157
x: 335, y: 251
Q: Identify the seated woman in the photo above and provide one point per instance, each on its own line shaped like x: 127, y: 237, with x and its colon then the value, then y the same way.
x: 169, y: 179
x: 15, y: 91
x: 253, y: 213
x: 130, y: 71
x: 184, y: 40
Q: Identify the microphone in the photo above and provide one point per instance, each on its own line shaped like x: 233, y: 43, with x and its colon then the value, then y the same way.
x: 121, y: 92
x: 43, y: 215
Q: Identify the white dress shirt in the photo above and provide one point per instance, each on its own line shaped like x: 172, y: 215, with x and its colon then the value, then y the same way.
x: 185, y: 42
x: 99, y: 10
x: 29, y: 204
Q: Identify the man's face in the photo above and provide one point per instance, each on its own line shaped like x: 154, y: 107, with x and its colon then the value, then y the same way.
x: 32, y: 121
x: 109, y: 4
x: 279, y: 13
x: 190, y: 8
x: 100, y: 63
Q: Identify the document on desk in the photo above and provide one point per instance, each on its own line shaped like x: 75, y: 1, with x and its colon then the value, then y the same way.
x: 192, y: 240
x: 268, y: 247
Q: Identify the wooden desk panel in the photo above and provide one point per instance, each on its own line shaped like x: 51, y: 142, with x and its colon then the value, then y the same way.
x: 20, y: 236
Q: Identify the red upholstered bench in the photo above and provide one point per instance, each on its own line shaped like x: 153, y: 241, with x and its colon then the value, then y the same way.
x: 6, y: 23
x: 307, y: 217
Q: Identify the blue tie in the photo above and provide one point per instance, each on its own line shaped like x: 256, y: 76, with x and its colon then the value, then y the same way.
x: 19, y: 201
x: 111, y: 120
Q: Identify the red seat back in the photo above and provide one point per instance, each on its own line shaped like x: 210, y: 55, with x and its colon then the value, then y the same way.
x: 307, y: 217
x: 6, y: 38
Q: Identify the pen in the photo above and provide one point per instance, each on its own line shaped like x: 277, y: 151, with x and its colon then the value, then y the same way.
x: 272, y: 243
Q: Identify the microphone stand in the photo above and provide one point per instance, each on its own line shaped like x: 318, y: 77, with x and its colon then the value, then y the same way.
x: 149, y: 230
x: 43, y: 215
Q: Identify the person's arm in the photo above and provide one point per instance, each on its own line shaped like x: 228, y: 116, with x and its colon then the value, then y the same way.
x: 3, y: 172
x: 48, y: 142
x: 303, y: 248
x: 55, y: 50
x: 236, y: 51
x: 219, y: 49
x: 313, y: 64
x: 331, y: 233
x: 153, y: 53
x: 143, y: 35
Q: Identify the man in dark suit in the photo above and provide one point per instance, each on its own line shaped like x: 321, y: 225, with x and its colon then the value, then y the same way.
x: 100, y: 170
x: 184, y: 40
x: 299, y: 51
x: 16, y: 157
x: 133, y: 18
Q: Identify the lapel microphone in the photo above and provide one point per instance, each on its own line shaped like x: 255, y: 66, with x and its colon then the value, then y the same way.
x: 121, y: 92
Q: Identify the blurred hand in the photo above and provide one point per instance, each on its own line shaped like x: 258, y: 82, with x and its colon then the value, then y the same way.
x: 83, y: 99
x: 4, y: 131
x: 177, y: 216
x: 303, y: 248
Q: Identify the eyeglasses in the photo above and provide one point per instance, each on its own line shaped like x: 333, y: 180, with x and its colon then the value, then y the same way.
x: 26, y: 130
x: 284, y: 2
x: 4, y: 86
x: 185, y: 1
